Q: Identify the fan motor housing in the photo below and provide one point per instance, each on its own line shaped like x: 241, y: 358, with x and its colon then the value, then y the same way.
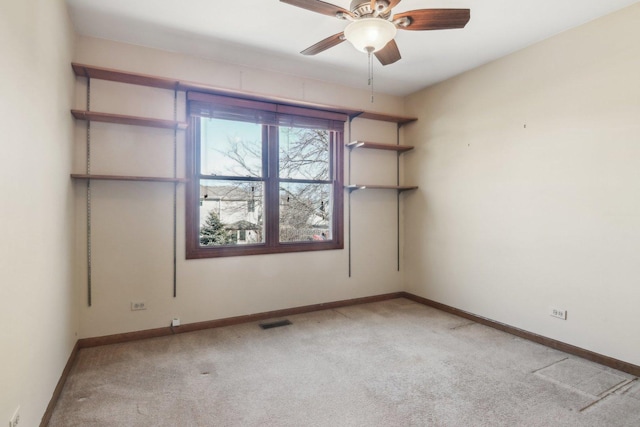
x: 362, y: 8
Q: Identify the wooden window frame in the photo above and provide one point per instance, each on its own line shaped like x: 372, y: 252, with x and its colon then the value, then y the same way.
x: 271, y: 183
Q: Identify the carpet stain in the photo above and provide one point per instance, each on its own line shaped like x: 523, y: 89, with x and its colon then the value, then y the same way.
x: 207, y: 369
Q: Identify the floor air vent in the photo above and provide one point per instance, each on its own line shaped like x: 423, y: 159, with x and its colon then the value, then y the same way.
x: 275, y: 324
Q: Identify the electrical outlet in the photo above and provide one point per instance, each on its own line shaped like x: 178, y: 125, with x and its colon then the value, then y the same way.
x: 138, y: 305
x: 175, y: 321
x: 558, y: 312
x: 15, y: 419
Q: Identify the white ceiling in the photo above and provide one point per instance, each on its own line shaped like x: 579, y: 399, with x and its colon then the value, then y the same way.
x: 268, y: 34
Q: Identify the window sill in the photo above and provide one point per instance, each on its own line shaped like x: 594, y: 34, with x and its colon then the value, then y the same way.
x: 243, y: 250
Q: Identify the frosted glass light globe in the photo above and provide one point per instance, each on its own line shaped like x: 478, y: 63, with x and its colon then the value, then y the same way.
x: 370, y: 34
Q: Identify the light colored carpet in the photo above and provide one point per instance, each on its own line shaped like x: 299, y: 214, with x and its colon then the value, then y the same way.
x: 393, y: 363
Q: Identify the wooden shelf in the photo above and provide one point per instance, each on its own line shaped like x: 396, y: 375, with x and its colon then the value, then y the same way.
x: 399, y: 188
x: 123, y: 76
x: 101, y: 73
x: 127, y: 120
x: 385, y: 117
x: 377, y: 146
x: 127, y: 178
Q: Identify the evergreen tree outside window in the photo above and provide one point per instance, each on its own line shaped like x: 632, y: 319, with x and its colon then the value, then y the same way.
x: 213, y: 232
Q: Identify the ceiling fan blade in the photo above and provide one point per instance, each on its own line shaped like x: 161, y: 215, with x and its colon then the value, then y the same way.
x: 388, y: 54
x: 434, y: 19
x: 325, y: 44
x: 319, y: 7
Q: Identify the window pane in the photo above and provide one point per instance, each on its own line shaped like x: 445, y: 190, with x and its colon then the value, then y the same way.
x: 230, y: 148
x: 304, y: 153
x: 231, y: 212
x: 305, y: 212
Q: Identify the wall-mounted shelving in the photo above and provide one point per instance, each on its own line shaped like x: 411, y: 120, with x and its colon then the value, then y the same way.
x: 378, y: 146
x: 127, y: 178
x: 399, y: 149
x: 400, y: 120
x: 399, y: 188
x: 95, y: 116
x: 177, y: 85
x: 101, y: 73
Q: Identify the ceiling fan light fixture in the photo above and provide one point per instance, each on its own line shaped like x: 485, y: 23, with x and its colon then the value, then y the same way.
x: 370, y: 34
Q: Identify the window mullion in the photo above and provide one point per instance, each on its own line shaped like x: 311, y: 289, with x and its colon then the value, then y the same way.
x: 337, y: 168
x: 272, y: 206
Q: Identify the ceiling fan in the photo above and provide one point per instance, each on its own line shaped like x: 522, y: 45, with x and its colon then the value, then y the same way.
x: 373, y: 26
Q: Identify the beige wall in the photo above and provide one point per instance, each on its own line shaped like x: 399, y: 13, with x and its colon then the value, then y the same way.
x: 529, y: 183
x: 132, y: 222
x: 37, y: 298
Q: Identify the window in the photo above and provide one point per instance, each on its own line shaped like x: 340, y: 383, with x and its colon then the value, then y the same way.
x: 264, y: 178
